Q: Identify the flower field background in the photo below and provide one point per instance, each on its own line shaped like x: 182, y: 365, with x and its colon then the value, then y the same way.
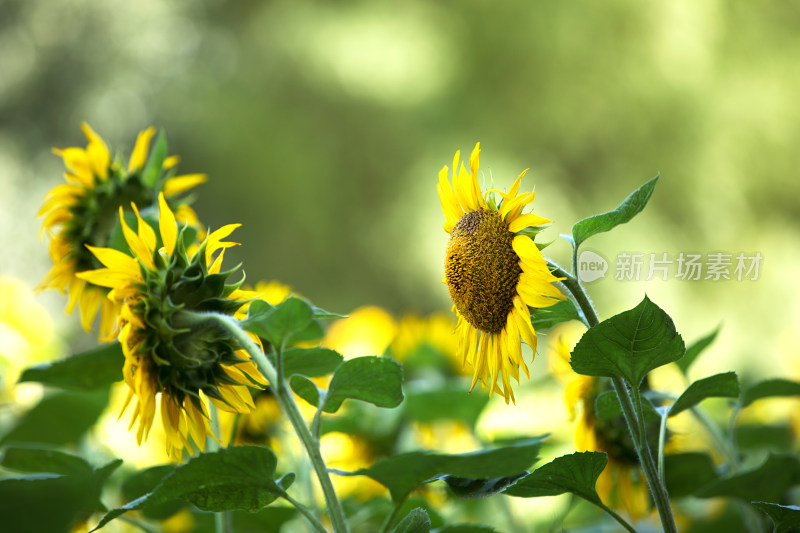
x: 322, y: 127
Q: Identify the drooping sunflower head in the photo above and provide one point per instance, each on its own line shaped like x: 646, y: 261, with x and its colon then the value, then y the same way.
x: 84, y: 212
x: 162, y: 289
x: 494, y: 272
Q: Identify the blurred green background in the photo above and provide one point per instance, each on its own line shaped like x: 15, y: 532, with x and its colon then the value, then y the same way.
x: 322, y: 126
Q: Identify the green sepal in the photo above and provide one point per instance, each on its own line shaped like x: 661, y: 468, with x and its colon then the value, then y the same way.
x: 155, y: 162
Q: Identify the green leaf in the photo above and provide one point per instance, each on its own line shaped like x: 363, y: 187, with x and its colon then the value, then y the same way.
x: 607, y: 407
x: 306, y: 389
x: 81, y: 372
x: 417, y: 521
x: 155, y: 163
x: 143, y: 482
x: 693, y: 351
x: 377, y: 380
x: 629, y: 208
x: 278, y: 323
x: 465, y: 528
x: 770, y: 388
x: 759, y: 436
x: 547, y: 317
x: 322, y: 313
x: 685, y: 473
x: 42, y: 460
x: 784, y: 517
x: 311, y: 362
x: 59, y: 419
x: 629, y: 345
x: 268, y: 520
x: 241, y: 477
x: 470, y: 488
x: 404, y: 472
x: 769, y: 481
x: 576, y: 473
x: 52, y: 503
x: 718, y: 386
x: 446, y: 402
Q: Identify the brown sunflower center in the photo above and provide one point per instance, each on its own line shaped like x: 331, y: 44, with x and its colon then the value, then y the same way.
x: 482, y: 269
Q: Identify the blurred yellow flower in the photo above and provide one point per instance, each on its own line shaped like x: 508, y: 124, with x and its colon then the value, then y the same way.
x: 347, y: 452
x: 366, y: 331
x: 157, y: 290
x: 622, y: 484
x: 494, y: 272
x: 82, y: 212
x: 436, y: 331
x: 27, y: 334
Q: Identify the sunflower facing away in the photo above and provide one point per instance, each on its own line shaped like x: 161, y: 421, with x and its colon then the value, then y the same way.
x: 494, y: 272
x: 83, y: 211
x: 160, y: 290
x: 621, y: 484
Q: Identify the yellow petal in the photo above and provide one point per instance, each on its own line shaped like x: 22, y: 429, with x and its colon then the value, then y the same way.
x: 171, y: 161
x: 97, y: 152
x: 179, y: 184
x: 146, y: 234
x: 116, y: 261
x: 140, y: 149
x: 167, y: 225
x: 525, y: 221
x: 135, y: 243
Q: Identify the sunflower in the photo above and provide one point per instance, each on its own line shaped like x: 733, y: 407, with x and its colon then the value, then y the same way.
x: 83, y: 212
x: 609, y: 435
x: 494, y: 272
x: 161, y: 292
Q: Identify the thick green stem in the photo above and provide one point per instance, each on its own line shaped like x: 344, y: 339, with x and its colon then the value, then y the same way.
x: 632, y: 418
x: 222, y: 520
x: 289, y: 407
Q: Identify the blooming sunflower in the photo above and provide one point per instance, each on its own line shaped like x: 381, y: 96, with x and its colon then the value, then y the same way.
x: 83, y: 212
x: 494, y: 272
x: 161, y: 292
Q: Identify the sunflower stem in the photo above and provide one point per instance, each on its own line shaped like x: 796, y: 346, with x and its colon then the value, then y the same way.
x: 632, y: 418
x: 289, y: 407
x: 223, y: 519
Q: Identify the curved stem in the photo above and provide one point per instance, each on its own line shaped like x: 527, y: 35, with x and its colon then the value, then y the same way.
x: 392, y: 516
x: 306, y: 512
x: 222, y: 519
x: 616, y: 517
x: 289, y: 407
x: 657, y: 488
